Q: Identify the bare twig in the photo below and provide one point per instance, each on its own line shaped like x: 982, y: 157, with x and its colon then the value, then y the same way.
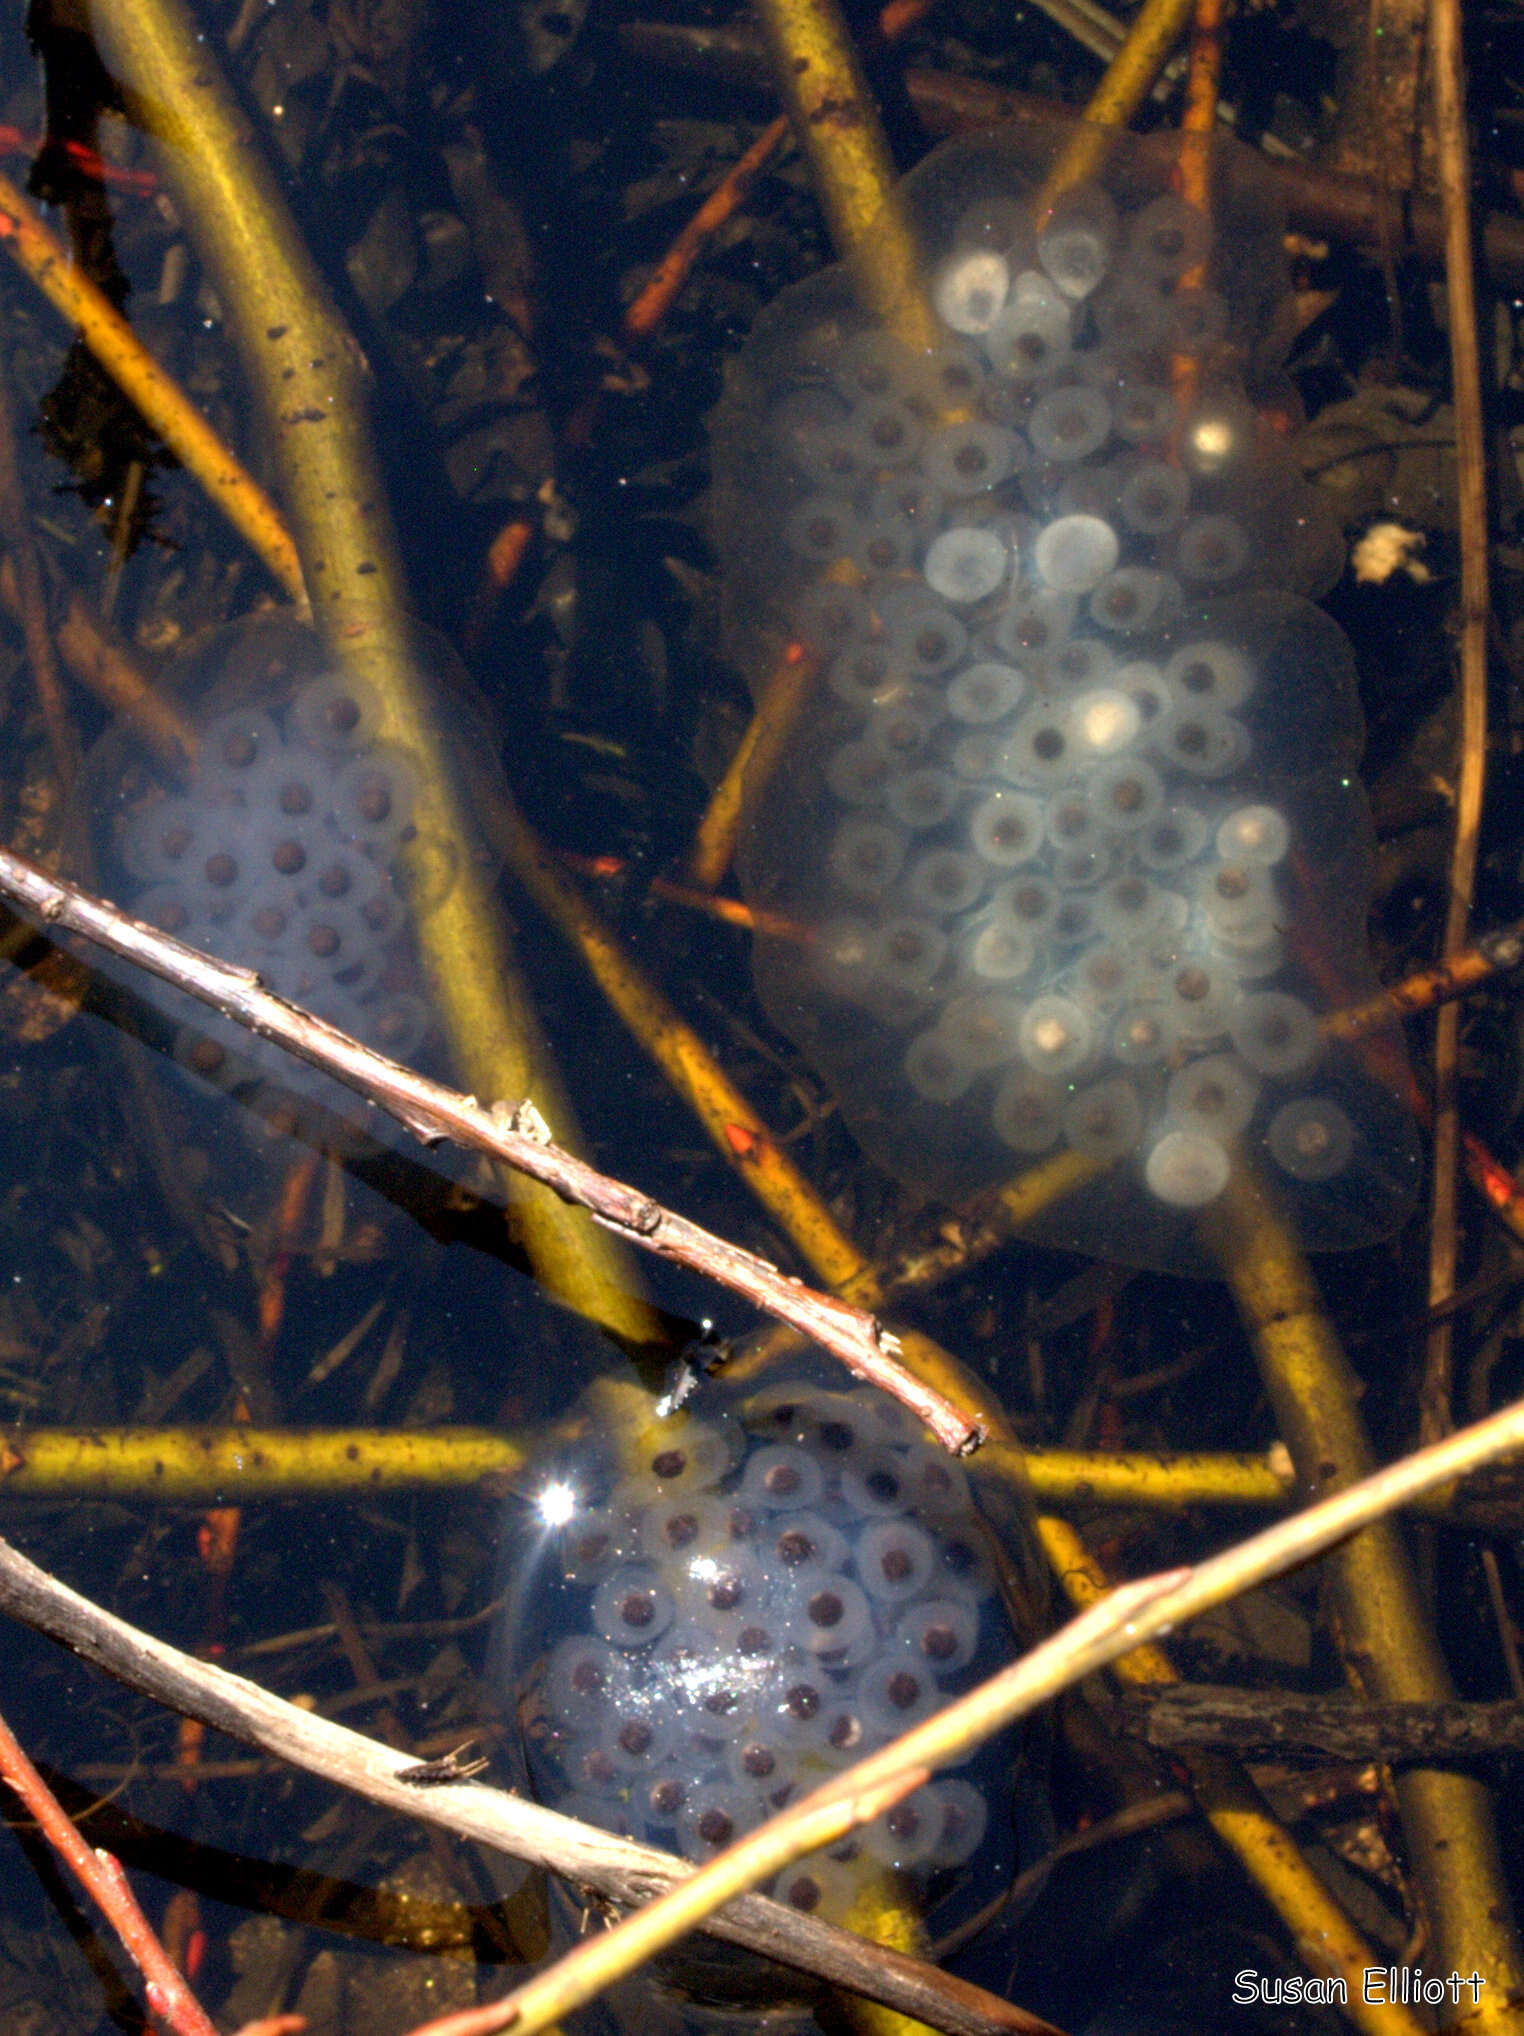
x: 1132, y: 1615
x: 100, y: 1873
x: 103, y: 665
x: 614, y: 1868
x: 1457, y: 975
x: 1275, y: 1724
x: 1447, y: 63
x: 513, y: 1134
x: 1132, y: 1821
x: 830, y: 1812
x: 1110, y: 1628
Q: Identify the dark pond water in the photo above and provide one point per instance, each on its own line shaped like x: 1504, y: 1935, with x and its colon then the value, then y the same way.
x: 1069, y: 854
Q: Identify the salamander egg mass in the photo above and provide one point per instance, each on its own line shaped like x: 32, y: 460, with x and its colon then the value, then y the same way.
x: 711, y: 1613
x: 1082, y: 737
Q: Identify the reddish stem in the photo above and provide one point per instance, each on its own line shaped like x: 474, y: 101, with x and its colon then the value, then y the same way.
x: 170, y: 2000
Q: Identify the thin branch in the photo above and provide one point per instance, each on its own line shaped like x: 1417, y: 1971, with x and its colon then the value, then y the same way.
x: 1284, y: 1726
x: 1131, y: 1615
x: 1318, y: 202
x: 99, y: 662
x: 1452, y: 149
x: 615, y: 1868
x: 1114, y: 1626
x: 100, y: 1874
x: 1457, y: 975
x: 233, y: 1465
x: 839, y: 1806
x: 513, y: 1134
x: 31, y: 243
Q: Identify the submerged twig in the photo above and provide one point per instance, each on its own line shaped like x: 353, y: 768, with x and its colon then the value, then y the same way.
x: 1318, y: 201
x: 1382, y: 1624
x: 101, y: 664
x: 100, y: 1874
x: 1494, y: 1183
x: 310, y: 385
x: 31, y: 599
x: 159, y: 399
x: 1238, y: 1812
x: 199, y: 1465
x: 1452, y: 148
x: 236, y: 1465
x: 744, y: 1141
x: 1275, y: 1724
x: 662, y: 287
x: 817, y: 68
x: 512, y: 1133
x: 1458, y: 975
x: 827, y: 1815
x: 789, y: 688
x: 1142, y: 54
x: 629, y: 1872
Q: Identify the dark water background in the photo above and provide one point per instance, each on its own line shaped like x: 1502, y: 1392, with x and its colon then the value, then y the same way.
x: 600, y: 670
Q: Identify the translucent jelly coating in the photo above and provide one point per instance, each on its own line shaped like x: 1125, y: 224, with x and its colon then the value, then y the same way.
x: 1122, y: 930
x: 277, y: 852
x: 783, y: 1581
x: 836, y: 446
x: 1069, y: 833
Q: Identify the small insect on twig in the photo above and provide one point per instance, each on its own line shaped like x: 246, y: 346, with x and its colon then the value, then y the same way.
x: 453, y: 1766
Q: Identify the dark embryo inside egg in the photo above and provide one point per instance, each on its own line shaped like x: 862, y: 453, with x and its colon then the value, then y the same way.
x: 747, y: 1600
x: 1070, y: 828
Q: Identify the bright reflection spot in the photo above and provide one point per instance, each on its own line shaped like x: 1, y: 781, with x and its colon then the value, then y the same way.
x: 1212, y: 438
x: 1105, y: 722
x: 556, y: 1504
x: 1050, y: 1035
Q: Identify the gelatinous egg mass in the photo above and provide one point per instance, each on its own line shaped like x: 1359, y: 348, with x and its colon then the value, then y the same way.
x: 711, y: 1621
x: 279, y: 851
x: 1070, y: 834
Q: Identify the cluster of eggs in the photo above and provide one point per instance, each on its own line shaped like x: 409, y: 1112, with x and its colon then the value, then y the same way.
x: 1068, y: 836
x: 278, y: 850
x: 763, y: 1595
